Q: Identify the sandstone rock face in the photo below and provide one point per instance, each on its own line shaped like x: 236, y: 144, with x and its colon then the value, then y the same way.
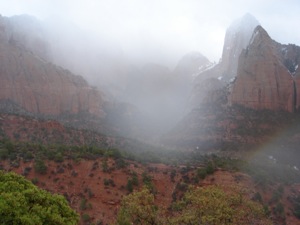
x: 263, y: 81
x: 236, y: 39
x: 26, y: 32
x: 290, y: 57
x: 267, y: 76
x: 43, y: 88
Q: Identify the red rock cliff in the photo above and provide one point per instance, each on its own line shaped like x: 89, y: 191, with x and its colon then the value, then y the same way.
x: 263, y: 81
x: 41, y: 87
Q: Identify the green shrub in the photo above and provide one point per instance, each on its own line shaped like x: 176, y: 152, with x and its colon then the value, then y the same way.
x: 40, y: 166
x: 22, y: 203
x: 86, y: 217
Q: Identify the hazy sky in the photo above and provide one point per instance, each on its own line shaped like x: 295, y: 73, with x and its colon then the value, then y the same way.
x: 166, y: 28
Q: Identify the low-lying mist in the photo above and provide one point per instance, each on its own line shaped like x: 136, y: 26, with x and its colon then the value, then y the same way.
x: 153, y: 96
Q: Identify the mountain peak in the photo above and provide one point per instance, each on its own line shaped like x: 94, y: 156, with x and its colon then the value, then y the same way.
x: 237, y: 38
x: 259, y: 34
x: 246, y: 23
x: 192, y: 60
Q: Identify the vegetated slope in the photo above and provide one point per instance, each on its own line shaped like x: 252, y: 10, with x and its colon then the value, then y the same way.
x: 50, y: 132
x: 94, y: 177
x: 94, y: 180
x: 83, y: 166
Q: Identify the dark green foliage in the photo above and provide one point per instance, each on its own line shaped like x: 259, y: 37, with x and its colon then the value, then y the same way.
x: 86, y: 217
x: 266, y: 210
x: 108, y: 182
x: 115, y: 153
x: 105, y: 167
x: 4, y: 153
x: 182, y: 187
x: 173, y: 175
x: 120, y: 163
x: 9, y: 146
x: 257, y: 197
x: 40, y: 166
x: 22, y: 203
x: 84, y: 204
x: 56, y: 152
x: 58, y: 157
x: 26, y: 171
x: 90, y: 193
x: 147, y: 180
x: 296, y: 206
x: 131, y: 182
x: 35, y: 180
x: 28, y: 156
x: 279, y: 209
x: 210, y: 168
x: 201, y: 173
x: 129, y: 186
x: 277, y: 195
x: 135, y: 179
x: 99, y: 222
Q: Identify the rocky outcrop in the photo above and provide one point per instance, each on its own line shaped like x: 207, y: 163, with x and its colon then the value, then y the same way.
x: 236, y: 39
x: 26, y: 32
x: 290, y: 57
x: 263, y: 81
x: 41, y: 87
x: 224, y: 114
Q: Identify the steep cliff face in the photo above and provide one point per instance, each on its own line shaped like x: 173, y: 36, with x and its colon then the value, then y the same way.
x: 236, y: 39
x: 43, y: 88
x: 26, y: 32
x: 247, y: 110
x: 263, y: 81
x: 38, y: 86
x: 290, y: 57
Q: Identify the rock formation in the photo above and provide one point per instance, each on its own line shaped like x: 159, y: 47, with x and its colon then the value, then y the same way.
x: 26, y: 32
x: 38, y: 86
x: 265, y: 77
x: 245, y: 98
x: 236, y: 39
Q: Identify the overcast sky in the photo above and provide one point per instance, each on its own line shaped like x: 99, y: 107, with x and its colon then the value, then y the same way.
x: 171, y: 28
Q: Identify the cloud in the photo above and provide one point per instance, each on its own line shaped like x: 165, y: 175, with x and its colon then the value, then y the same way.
x: 168, y: 28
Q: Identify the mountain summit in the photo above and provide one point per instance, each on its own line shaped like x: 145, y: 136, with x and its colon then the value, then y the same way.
x: 264, y: 80
x: 236, y: 39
